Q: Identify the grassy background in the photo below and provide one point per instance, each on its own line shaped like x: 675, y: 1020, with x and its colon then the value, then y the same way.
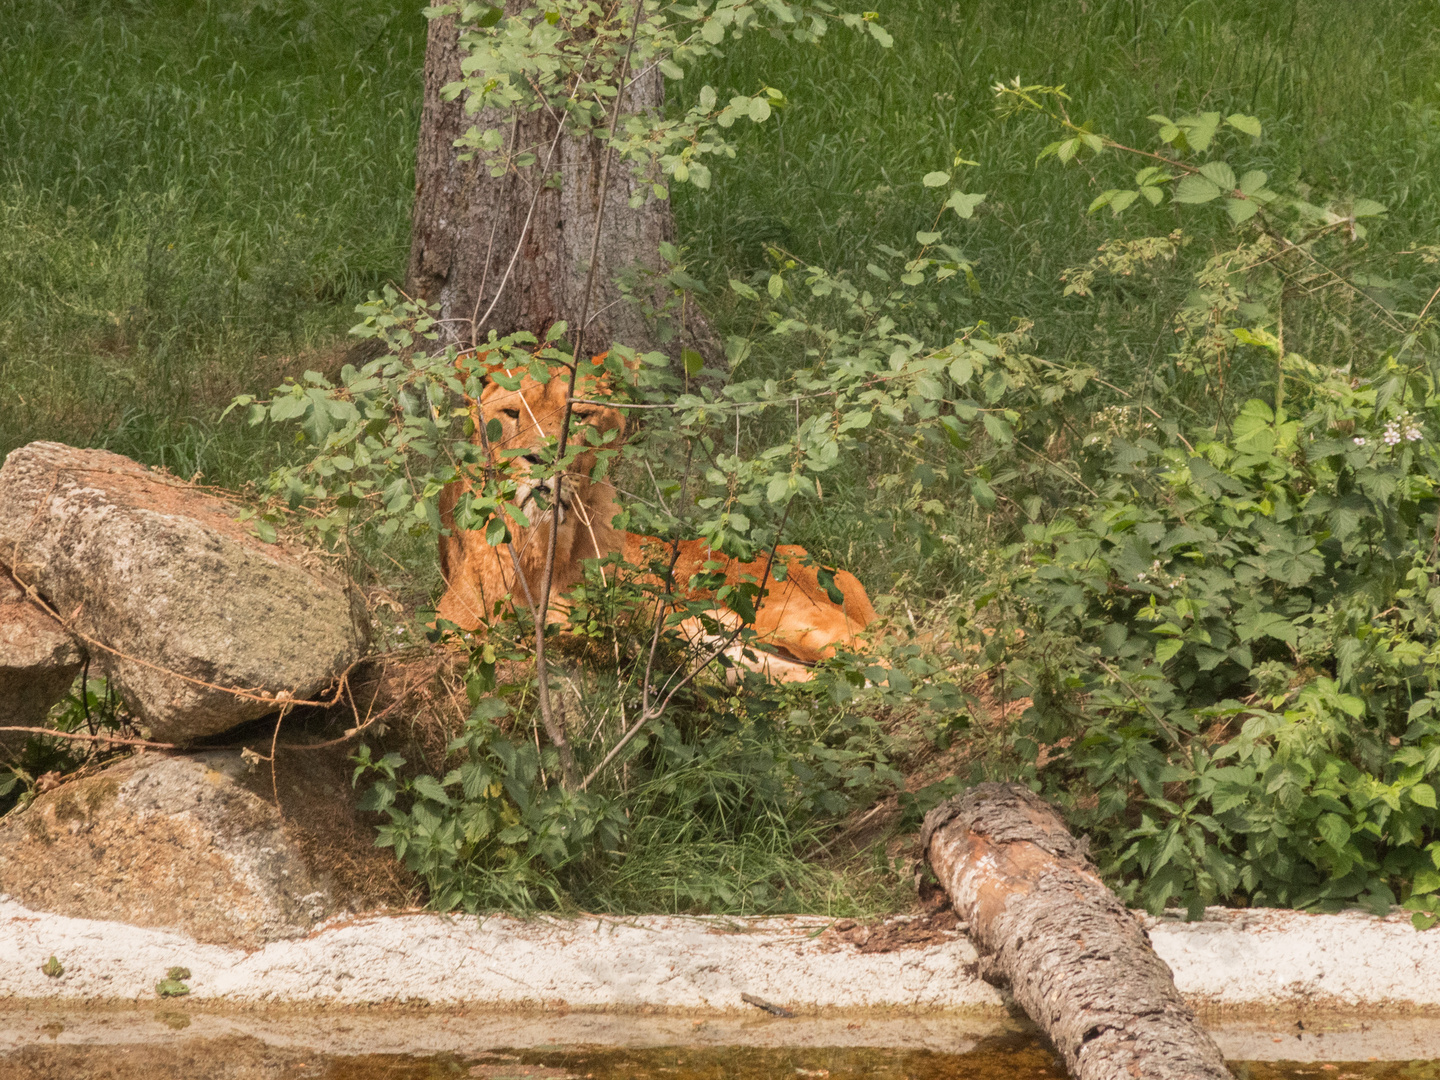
x: 193, y: 197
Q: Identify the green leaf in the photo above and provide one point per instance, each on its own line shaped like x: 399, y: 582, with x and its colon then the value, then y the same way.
x: 1241, y: 210
x: 927, y: 238
x: 826, y: 579
x: 1220, y: 174
x: 1252, y: 181
x: 961, y: 369
x: 997, y: 429
x: 982, y: 493
x: 693, y: 362
x: 1168, y: 648
x: 1195, y: 189
x: 964, y: 204
x: 936, y: 179
x: 1422, y: 795
x: 1333, y: 830
x: 168, y: 988
x: 429, y: 788
x: 759, y: 109
x: 1426, y: 881
x: 775, y: 286
x: 1121, y: 200
x: 1248, y: 124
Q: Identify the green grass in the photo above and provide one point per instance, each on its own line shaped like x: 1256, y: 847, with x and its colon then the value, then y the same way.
x: 1349, y: 95
x: 192, y: 200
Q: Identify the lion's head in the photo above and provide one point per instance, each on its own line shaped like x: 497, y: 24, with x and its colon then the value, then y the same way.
x: 529, y: 419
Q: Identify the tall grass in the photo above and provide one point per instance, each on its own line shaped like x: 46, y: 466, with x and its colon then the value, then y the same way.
x: 191, y: 197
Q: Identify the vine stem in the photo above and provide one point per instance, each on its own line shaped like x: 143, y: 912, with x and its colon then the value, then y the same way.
x: 556, y: 731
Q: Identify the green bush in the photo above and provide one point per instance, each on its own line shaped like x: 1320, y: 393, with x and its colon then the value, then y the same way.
x: 1236, y: 651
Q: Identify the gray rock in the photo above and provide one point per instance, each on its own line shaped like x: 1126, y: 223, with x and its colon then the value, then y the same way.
x: 38, y: 663
x: 169, y: 842
x: 174, y: 597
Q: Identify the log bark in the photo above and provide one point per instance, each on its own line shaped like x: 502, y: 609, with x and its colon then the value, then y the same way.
x: 466, y: 224
x: 1076, y: 960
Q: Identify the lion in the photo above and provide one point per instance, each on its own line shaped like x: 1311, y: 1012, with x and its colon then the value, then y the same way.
x: 797, y: 624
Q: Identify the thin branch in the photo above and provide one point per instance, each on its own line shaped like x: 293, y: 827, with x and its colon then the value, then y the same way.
x: 567, y: 762
x: 655, y: 711
x: 117, y: 740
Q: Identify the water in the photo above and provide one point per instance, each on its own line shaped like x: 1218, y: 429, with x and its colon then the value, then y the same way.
x: 178, y: 1044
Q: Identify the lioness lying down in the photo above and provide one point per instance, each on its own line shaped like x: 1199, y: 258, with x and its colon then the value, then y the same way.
x: 796, y: 622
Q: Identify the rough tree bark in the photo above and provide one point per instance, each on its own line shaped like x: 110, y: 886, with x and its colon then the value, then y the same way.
x: 1075, y: 959
x: 467, y: 225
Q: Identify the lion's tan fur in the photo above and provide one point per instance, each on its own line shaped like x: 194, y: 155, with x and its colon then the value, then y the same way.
x: 795, y: 619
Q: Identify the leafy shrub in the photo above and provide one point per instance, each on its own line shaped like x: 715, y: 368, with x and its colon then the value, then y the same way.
x: 1236, y: 651
x: 717, y: 805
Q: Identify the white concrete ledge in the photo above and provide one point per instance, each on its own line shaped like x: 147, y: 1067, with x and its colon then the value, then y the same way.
x: 1257, y: 958
x: 594, y: 963
x: 1273, y: 958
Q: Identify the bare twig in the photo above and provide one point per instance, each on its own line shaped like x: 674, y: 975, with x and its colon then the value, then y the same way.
x: 653, y: 712
x: 80, y: 737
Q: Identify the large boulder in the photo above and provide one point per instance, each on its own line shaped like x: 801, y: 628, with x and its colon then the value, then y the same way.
x: 38, y: 662
x: 177, y: 600
x: 179, y: 843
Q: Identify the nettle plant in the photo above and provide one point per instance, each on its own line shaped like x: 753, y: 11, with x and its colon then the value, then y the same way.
x: 1232, y: 648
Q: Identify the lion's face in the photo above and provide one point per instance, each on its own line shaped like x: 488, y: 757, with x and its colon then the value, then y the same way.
x: 531, y: 418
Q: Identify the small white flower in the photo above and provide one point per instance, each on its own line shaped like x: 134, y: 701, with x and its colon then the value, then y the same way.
x: 1413, y: 434
x: 1392, y: 433
x: 1140, y: 576
x: 1358, y: 441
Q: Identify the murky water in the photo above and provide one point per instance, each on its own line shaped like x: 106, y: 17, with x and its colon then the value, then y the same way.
x: 1005, y: 1057
x: 185, y: 1043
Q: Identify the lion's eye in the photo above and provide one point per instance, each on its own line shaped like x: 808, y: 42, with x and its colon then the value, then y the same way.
x: 513, y: 414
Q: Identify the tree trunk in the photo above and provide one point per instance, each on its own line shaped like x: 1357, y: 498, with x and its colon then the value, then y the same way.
x: 1076, y: 960
x: 472, y: 252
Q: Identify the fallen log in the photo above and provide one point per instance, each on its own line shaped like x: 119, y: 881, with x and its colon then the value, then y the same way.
x: 1076, y: 960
